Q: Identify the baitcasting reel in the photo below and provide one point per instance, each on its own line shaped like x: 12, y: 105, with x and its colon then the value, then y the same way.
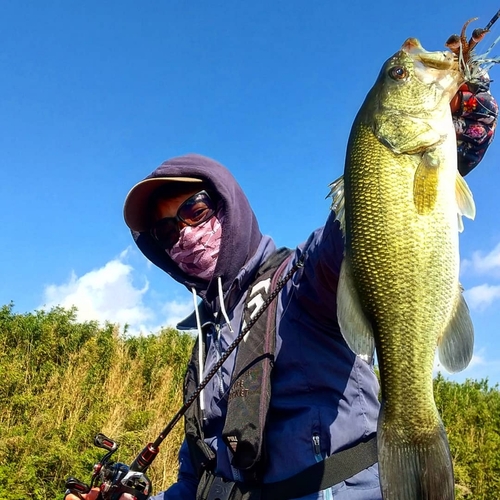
x: 113, y: 478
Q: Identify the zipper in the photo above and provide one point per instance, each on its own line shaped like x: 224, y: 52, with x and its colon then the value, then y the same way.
x: 317, y: 447
x: 327, y: 494
x: 218, y: 345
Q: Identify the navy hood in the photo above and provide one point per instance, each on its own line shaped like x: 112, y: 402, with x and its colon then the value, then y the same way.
x: 240, y: 230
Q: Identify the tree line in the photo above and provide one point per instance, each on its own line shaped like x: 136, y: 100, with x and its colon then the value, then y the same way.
x: 63, y: 381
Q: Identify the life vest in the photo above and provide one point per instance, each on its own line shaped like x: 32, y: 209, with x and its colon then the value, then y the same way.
x: 250, y: 390
x: 248, y: 403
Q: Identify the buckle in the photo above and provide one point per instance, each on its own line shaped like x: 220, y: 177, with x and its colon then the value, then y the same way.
x: 220, y: 489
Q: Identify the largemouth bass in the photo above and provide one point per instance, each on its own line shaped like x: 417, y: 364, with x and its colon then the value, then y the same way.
x: 400, y: 204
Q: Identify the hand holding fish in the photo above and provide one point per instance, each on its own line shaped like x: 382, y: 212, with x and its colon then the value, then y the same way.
x: 475, y: 113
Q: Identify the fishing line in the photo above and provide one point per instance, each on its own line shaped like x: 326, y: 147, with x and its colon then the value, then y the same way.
x: 488, y: 27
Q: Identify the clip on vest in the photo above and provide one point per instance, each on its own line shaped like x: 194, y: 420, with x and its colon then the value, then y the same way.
x: 220, y: 489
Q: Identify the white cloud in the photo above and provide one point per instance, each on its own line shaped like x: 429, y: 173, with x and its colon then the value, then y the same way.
x: 176, y: 311
x: 479, y: 368
x: 110, y: 294
x: 477, y: 360
x: 484, y: 264
x: 482, y: 296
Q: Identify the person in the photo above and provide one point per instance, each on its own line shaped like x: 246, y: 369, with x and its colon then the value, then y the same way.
x: 317, y: 399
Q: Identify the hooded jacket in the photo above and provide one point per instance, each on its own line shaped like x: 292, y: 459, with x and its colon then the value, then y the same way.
x: 324, y: 398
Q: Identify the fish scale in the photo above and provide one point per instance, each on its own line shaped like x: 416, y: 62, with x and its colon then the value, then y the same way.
x: 395, y: 268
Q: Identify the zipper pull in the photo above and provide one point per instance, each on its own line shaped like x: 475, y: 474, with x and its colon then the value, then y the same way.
x: 316, y: 445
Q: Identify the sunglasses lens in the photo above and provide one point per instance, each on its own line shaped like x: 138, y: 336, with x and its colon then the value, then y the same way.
x: 197, y: 209
x: 193, y: 212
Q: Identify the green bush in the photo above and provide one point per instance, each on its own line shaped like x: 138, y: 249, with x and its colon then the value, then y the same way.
x: 471, y: 415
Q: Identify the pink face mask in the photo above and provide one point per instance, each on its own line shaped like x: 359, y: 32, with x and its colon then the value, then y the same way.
x: 197, y: 248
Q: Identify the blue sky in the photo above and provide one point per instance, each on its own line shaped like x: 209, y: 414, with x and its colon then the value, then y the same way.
x: 94, y: 95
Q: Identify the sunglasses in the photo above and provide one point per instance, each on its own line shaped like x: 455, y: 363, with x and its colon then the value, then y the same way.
x: 194, y: 211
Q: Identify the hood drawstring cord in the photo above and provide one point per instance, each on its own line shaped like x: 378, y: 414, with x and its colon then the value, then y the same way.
x: 201, y: 357
x: 222, y: 306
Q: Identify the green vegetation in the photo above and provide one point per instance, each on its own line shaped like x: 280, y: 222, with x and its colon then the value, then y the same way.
x: 64, y: 381
x: 471, y: 416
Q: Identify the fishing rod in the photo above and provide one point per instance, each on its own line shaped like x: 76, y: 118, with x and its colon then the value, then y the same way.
x: 116, y: 478
x: 493, y: 20
x: 478, y: 33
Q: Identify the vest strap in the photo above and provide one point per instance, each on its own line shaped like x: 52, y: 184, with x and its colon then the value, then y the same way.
x: 320, y: 476
x: 333, y: 470
x: 250, y: 391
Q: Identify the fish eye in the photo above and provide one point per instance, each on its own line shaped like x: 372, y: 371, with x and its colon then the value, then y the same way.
x: 398, y: 73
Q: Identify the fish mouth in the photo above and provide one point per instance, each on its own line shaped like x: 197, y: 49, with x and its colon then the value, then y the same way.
x: 441, y: 60
x: 438, y: 67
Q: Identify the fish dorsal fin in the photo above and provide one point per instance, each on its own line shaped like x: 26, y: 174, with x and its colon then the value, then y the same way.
x: 456, y: 344
x: 465, y: 201
x: 338, y: 201
x: 354, y: 325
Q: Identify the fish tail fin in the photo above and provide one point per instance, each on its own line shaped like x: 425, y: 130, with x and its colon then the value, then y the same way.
x: 414, y: 470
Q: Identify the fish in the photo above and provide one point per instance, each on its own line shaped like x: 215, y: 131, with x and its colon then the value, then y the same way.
x: 400, y: 204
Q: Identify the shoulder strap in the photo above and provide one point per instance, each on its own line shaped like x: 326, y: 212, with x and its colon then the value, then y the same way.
x: 250, y: 391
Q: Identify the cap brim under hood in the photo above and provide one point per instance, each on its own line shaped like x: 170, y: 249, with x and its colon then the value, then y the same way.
x: 135, y: 209
x: 240, y: 231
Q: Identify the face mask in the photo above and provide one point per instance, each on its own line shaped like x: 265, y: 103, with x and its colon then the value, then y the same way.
x: 197, y: 248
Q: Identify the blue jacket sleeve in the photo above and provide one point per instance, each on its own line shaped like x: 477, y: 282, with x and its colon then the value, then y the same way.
x: 317, y: 291
x: 187, y: 482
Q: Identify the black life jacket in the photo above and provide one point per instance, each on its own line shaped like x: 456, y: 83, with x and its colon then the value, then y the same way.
x: 250, y: 390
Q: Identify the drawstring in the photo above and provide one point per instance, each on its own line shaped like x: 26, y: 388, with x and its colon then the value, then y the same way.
x: 201, y: 357
x: 222, y: 306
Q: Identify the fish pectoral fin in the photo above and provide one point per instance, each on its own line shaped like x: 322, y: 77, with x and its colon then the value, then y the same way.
x: 456, y: 344
x: 354, y: 325
x: 405, y: 134
x: 465, y: 201
x: 425, y: 184
x: 338, y: 201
